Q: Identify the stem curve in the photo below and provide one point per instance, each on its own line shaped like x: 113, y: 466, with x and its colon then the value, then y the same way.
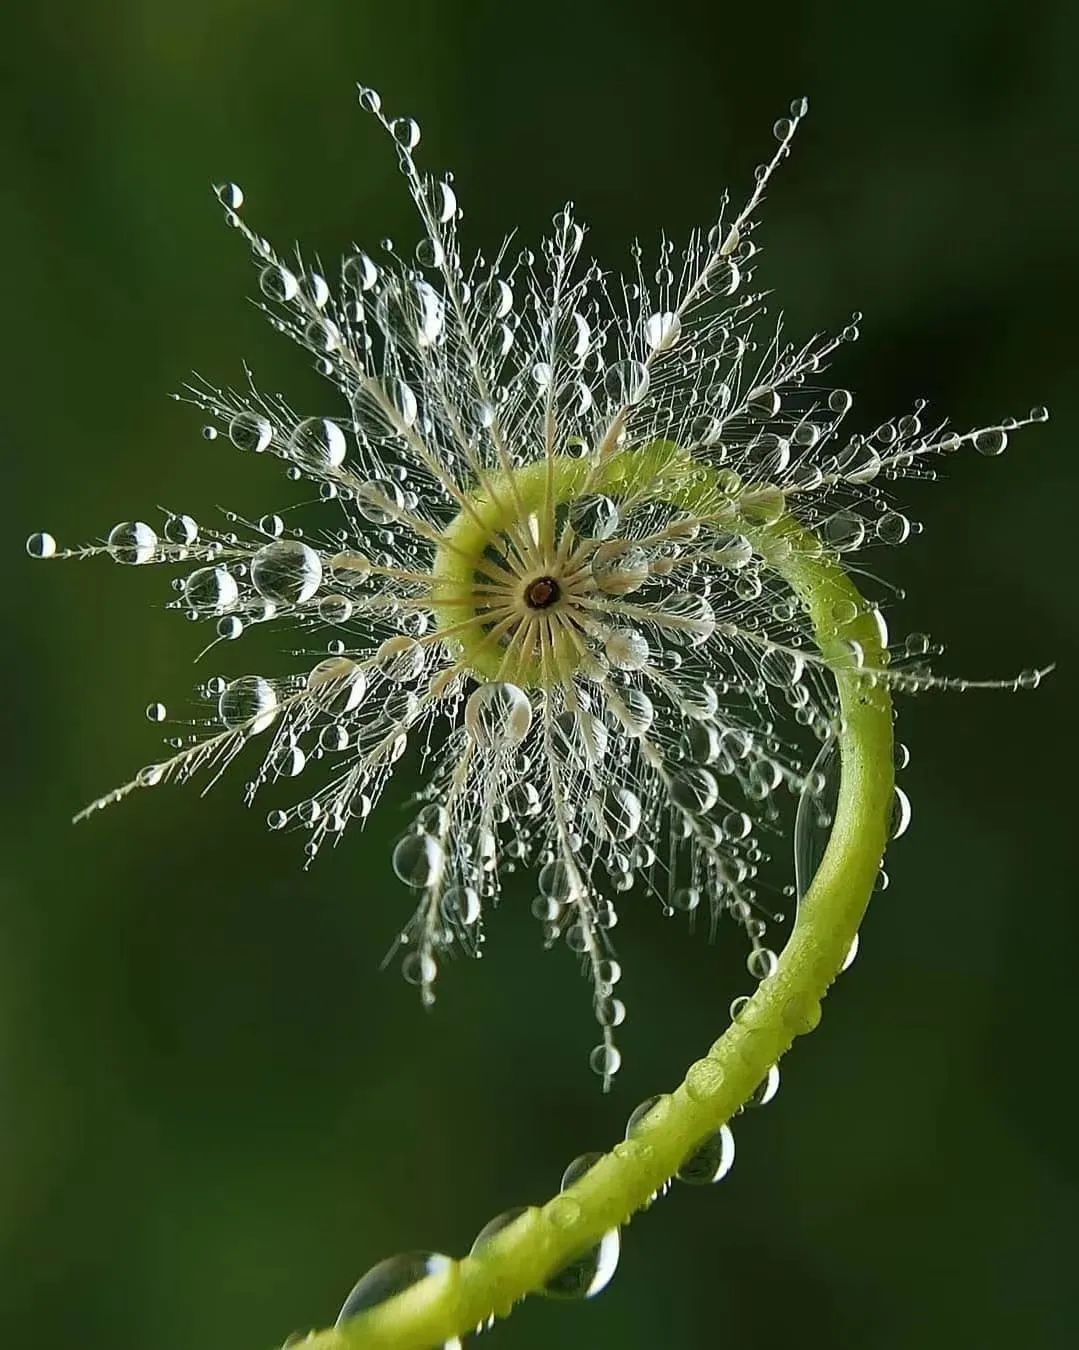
x: 524, y: 1255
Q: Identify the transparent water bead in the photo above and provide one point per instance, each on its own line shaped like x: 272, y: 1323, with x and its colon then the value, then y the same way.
x: 132, y: 542
x: 278, y: 284
x: 605, y: 1060
x: 210, y: 590
x: 590, y: 1273
x: 391, y: 1277
x: 419, y: 859
x: 619, y: 812
x: 337, y: 685
x: 230, y: 195
x: 659, y: 1104
x: 626, y: 649
x: 662, y: 331
x: 41, y: 545
x: 766, y: 1089
x: 495, y: 1226
x: 594, y: 517
x: 618, y: 569
x: 286, y: 571
x: 993, y: 441
x: 626, y: 382
x: 360, y: 272
x: 251, y: 431
x: 249, y: 702
x: 711, y: 1161
x: 498, y: 715
x: 318, y: 444
x: 461, y: 904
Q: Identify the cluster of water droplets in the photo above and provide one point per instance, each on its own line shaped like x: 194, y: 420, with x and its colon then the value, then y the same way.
x: 588, y: 1273
x: 650, y: 696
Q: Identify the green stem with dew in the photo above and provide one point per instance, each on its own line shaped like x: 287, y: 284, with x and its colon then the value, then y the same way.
x: 520, y: 1258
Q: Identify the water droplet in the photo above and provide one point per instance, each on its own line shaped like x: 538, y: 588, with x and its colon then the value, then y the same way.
x: 605, y: 1060
x: 419, y: 859
x: 495, y: 1226
x: 360, y: 272
x: 893, y: 528
x: 210, y: 590
x: 394, y: 1276
x: 230, y: 195
x: 406, y: 132
x: 461, y: 904
x: 783, y: 669
x: 694, y: 790
x: 761, y: 962
x: 286, y: 571
x: 660, y: 1105
x: 626, y: 649
x: 337, y: 685
x: 249, y: 702
x: 703, y: 1080
x: 620, y: 812
x: 844, y: 531
x: 498, y: 715
x: 41, y: 545
x: 250, y: 431
x: 992, y: 441
x: 763, y: 403
x: 277, y: 283
x: 711, y: 1161
x: 766, y: 1089
x: 590, y: 1273
x: 618, y: 569
x: 318, y: 444
x: 132, y: 542
x: 901, y: 813
x: 594, y: 516
x: 400, y: 659
x: 626, y: 382
x: 662, y: 331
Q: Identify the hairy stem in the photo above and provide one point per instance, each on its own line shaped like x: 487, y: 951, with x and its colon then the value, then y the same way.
x: 524, y: 1255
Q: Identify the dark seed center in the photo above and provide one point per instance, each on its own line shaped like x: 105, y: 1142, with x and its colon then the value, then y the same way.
x: 542, y: 593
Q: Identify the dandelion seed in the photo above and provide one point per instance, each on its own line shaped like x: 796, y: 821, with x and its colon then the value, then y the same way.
x: 542, y: 564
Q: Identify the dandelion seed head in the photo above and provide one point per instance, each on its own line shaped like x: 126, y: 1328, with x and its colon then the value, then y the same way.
x: 539, y: 565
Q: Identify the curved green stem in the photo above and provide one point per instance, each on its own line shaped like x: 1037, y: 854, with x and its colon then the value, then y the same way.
x: 524, y: 1255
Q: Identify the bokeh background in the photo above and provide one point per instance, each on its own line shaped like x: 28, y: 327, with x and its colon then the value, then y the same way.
x: 215, y: 1113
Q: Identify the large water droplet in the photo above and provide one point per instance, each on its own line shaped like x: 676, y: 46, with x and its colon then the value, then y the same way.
x: 711, y: 1161
x: 286, y: 571
x: 590, y: 1273
x: 618, y: 569
x: 496, y: 1225
x: 419, y: 859
x: 498, y: 715
x: 662, y: 331
x: 250, y: 431
x: 249, y: 702
x: 337, y: 685
x: 620, y: 812
x: 694, y: 790
x: 391, y: 1277
x: 210, y: 590
x: 41, y: 545
x: 318, y: 444
x: 132, y: 542
x: 626, y: 382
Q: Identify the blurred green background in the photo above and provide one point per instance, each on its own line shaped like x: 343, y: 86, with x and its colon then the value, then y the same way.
x: 214, y: 1112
